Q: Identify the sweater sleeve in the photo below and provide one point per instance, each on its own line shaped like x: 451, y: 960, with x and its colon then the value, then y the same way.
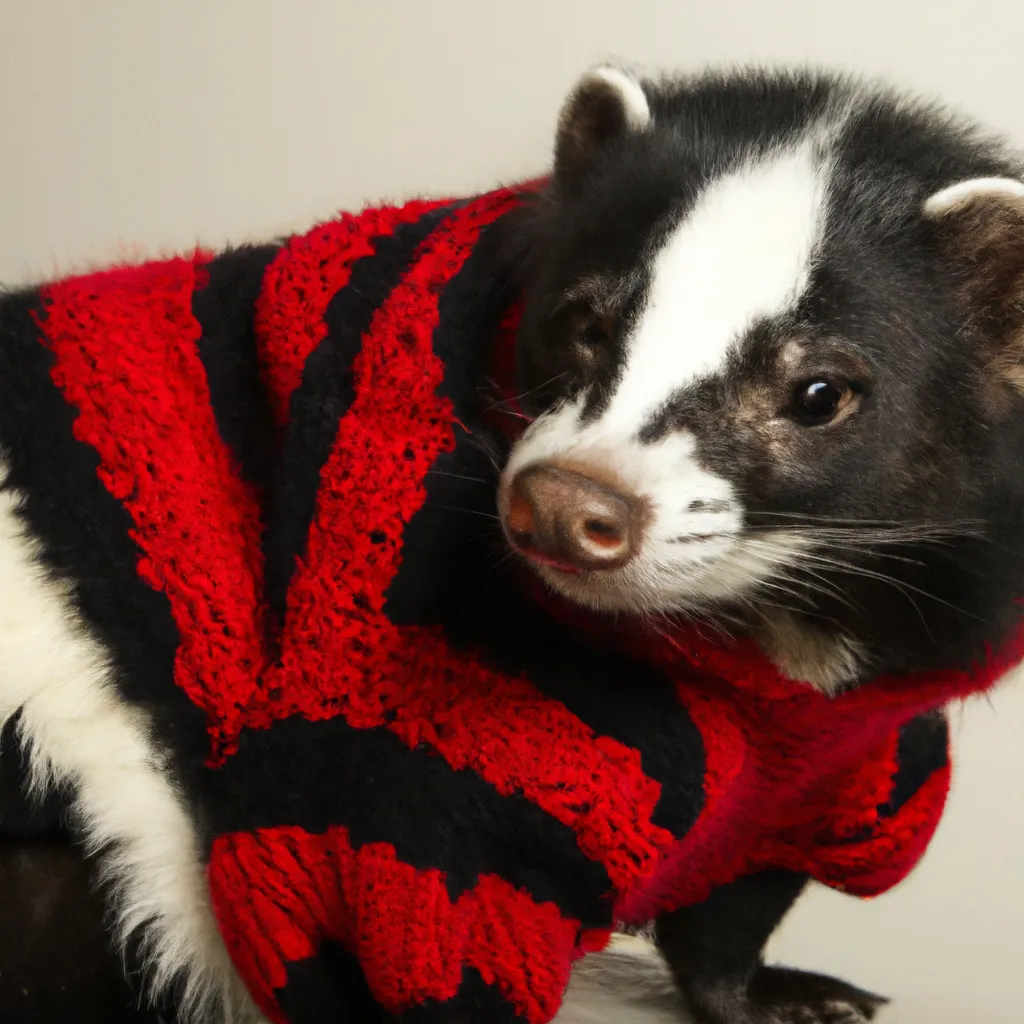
x: 903, y: 794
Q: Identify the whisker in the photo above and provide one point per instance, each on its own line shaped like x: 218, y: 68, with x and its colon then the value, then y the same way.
x: 902, y: 585
x: 518, y: 398
x: 779, y: 581
x: 899, y: 585
x: 823, y: 587
x: 840, y: 520
x: 465, y: 511
x: 871, y: 535
x: 488, y: 448
x: 458, y: 476
x: 757, y: 584
x: 758, y: 608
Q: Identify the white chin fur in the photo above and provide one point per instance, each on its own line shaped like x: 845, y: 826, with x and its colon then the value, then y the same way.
x: 78, y: 733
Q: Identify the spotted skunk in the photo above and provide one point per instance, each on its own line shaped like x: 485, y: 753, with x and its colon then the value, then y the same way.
x: 769, y: 352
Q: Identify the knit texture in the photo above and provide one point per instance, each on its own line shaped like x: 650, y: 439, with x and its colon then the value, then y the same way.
x: 427, y: 788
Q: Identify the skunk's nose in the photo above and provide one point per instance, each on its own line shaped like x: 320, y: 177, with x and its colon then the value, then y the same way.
x: 569, y: 520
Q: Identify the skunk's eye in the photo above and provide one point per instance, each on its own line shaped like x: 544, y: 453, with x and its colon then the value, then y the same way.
x: 595, y: 334
x: 818, y: 401
x: 592, y: 335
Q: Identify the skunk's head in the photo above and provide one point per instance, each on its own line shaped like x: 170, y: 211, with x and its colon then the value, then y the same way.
x: 773, y: 342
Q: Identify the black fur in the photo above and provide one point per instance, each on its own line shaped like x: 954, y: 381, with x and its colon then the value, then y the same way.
x: 227, y: 348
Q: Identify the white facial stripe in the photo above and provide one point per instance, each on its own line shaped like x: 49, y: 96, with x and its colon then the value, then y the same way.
x: 742, y: 254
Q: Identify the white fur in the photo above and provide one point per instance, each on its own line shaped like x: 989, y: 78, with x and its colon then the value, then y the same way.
x: 963, y: 192
x: 628, y: 983
x: 744, y: 252
x: 79, y: 734
x: 631, y: 94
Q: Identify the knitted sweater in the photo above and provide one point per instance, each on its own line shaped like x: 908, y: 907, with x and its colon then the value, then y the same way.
x: 423, y: 790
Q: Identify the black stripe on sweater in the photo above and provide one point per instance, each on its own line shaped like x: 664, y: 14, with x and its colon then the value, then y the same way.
x: 475, y: 1001
x: 923, y: 750
x: 225, y: 308
x: 321, y: 774
x: 329, y: 988
x: 326, y: 393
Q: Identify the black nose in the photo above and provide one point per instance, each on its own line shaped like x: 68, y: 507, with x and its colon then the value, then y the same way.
x: 570, y: 520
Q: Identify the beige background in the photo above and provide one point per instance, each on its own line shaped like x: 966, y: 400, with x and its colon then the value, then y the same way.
x: 140, y: 126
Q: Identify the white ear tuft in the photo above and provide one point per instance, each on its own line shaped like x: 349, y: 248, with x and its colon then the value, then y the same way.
x: 630, y: 92
x: 965, y: 192
x: 979, y: 225
x: 606, y: 104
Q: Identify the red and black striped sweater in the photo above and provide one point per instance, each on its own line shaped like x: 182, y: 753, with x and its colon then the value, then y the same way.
x: 269, y: 474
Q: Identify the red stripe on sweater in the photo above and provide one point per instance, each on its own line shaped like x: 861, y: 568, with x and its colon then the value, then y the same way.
x: 411, y: 940
x: 301, y: 282
x: 340, y: 654
x: 126, y: 357
x: 894, y: 848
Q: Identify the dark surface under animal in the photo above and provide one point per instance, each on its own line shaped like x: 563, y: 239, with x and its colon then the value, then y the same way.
x: 56, y: 963
x: 416, y: 785
x: 56, y: 960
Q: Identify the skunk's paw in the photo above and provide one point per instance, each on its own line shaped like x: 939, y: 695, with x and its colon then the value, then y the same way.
x: 781, y: 996
x: 777, y: 995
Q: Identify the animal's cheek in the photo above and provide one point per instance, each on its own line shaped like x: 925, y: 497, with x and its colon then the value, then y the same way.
x: 737, y: 452
x: 773, y: 461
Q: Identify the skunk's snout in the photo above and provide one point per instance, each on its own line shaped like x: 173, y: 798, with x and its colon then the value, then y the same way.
x: 570, y: 520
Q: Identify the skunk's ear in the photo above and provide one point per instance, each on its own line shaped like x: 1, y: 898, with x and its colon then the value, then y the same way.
x: 605, y: 104
x: 981, y: 228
